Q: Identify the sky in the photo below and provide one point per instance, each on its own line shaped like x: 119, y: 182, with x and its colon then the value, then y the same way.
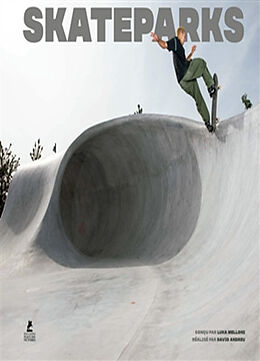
x: 55, y: 91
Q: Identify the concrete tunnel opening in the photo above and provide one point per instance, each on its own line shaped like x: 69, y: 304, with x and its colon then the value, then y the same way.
x: 133, y: 191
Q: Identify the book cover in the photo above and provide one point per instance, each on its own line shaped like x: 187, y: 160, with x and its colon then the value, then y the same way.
x: 129, y: 180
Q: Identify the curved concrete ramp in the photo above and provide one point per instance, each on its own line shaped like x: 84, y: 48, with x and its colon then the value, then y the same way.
x: 144, y: 231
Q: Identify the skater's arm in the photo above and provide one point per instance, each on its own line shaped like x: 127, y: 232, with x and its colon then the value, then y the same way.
x: 161, y: 42
x: 191, y: 52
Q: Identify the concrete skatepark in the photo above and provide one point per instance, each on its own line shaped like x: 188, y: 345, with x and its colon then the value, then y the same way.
x: 143, y: 231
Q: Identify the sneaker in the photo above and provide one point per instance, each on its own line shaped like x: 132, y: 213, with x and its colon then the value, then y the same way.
x: 211, y: 90
x: 209, y: 127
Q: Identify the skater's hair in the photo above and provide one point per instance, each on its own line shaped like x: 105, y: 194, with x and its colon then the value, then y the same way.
x: 179, y: 30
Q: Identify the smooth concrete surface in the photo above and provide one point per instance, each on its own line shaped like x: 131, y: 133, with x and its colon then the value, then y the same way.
x: 145, y: 230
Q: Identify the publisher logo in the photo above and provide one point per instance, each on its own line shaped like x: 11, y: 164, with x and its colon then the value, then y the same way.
x: 29, y: 335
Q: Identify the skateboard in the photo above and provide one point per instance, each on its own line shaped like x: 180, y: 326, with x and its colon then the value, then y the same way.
x: 214, y: 119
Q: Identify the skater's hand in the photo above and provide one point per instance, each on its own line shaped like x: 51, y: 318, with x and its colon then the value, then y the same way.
x: 194, y: 47
x: 162, y: 43
x: 154, y: 37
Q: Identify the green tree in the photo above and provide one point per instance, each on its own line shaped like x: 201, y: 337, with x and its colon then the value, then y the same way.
x: 139, y: 109
x: 247, y: 103
x: 37, y: 151
x: 8, y: 165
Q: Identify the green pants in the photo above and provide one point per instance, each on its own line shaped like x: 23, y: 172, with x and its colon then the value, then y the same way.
x: 189, y: 84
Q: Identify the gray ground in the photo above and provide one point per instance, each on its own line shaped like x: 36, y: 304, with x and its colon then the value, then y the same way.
x: 144, y: 231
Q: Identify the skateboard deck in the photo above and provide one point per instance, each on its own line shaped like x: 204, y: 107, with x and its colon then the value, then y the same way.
x: 214, y: 103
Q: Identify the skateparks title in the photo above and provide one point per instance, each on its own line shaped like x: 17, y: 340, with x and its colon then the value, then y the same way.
x: 130, y: 24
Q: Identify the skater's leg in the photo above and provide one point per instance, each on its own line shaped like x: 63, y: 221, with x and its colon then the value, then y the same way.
x: 195, y: 69
x: 198, y: 68
x: 200, y: 103
x: 192, y: 88
x: 207, y: 77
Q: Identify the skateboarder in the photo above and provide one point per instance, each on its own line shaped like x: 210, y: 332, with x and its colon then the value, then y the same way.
x: 188, y: 70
